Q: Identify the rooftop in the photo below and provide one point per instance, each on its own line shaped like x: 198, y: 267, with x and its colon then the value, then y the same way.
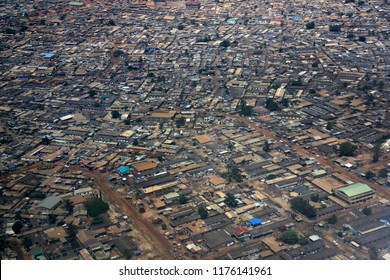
x: 355, y: 189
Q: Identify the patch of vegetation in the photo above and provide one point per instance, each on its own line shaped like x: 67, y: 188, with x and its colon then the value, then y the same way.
x: 95, y: 206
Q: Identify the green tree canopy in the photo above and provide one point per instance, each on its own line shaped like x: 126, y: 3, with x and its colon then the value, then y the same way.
x: 230, y: 200
x: 71, y: 230
x: 203, y: 212
x: 266, y: 146
x: 180, y: 122
x: 183, y: 199
x: 115, y: 114
x: 369, y: 175
x: 376, y: 153
x: 302, y: 206
x: 52, y: 218
x: 118, y: 53
x: 17, y: 227
x: 289, y: 237
x: 68, y: 205
x: 310, y: 25
x: 27, y: 243
x: 225, y: 43
x: 95, y: 206
x: 332, y: 220
x: 383, y: 173
x: 347, y: 149
x: 271, y: 105
x: 367, y: 211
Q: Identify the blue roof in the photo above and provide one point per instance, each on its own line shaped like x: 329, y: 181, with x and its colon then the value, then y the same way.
x: 47, y: 55
x: 255, y: 221
x: 123, y: 169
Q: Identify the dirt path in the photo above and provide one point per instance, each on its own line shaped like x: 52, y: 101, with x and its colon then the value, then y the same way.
x: 162, y: 245
x: 155, y: 238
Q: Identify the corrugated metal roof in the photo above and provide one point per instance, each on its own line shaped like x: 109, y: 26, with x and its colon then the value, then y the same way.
x: 49, y: 202
x: 355, y: 189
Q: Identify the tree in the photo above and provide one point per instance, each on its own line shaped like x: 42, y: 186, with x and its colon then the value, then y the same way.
x: 367, y: 211
x: 27, y: 243
x: 373, y: 253
x: 332, y: 220
x: 271, y: 105
x: 180, y: 27
x: 335, y: 28
x: 52, y: 218
x: 310, y: 25
x: 3, y: 243
x: 303, y: 241
x: 10, y: 31
x: 203, y: 212
x: 314, y: 65
x: 92, y: 93
x: 71, y: 230
x: 115, y: 114
x: 68, y: 205
x: 230, y: 200
x: 180, y: 122
x: 369, y: 175
x: 289, y: 237
x: 235, y: 173
x: 17, y: 227
x: 329, y: 126
x: 351, y: 36
x: 183, y: 199
x: 18, y: 217
x: 225, y: 43
x: 266, y: 146
x: 361, y: 3
x: 95, y: 206
x: 126, y: 121
x: 135, y: 142
x: 383, y: 173
x: 111, y: 22
x: 315, y: 198
x: 97, y: 220
x: 271, y: 177
x: 246, y: 111
x: 347, y: 149
x: 362, y: 38
x: 376, y: 152
x: 302, y: 206
x: 297, y: 83
x: 117, y: 53
x: 45, y: 140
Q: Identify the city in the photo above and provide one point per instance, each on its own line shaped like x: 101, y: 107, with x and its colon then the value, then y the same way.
x: 195, y: 130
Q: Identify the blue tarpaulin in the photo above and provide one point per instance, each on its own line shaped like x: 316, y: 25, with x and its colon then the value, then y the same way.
x: 47, y: 55
x: 255, y: 221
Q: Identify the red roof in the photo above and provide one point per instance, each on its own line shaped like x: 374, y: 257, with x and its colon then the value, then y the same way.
x: 193, y: 3
x: 238, y: 231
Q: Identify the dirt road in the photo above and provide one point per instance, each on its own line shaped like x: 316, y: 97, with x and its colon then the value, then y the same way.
x: 159, y: 241
x: 162, y: 245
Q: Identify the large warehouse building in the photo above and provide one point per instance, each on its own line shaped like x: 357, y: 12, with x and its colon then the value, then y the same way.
x: 356, y: 193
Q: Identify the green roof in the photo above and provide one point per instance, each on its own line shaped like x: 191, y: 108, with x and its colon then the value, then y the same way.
x: 74, y: 3
x: 355, y: 189
x: 123, y: 169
